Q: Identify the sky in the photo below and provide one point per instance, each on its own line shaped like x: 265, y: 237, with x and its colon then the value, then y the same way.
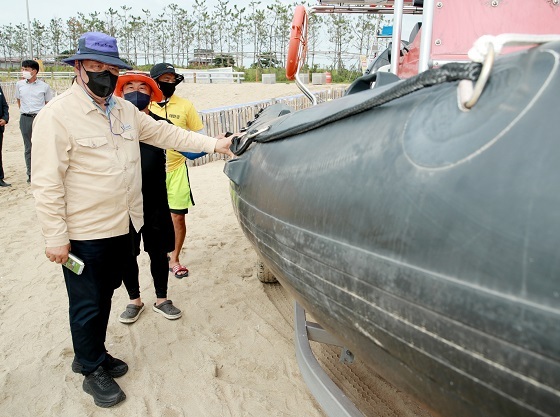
x: 45, y: 10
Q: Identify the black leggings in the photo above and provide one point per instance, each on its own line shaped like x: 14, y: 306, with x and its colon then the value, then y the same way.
x: 159, y: 267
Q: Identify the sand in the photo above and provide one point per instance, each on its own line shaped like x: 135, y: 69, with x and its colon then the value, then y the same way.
x: 231, y: 354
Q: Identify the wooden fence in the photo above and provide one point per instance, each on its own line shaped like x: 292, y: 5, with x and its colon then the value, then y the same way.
x: 234, y: 118
x: 57, y: 84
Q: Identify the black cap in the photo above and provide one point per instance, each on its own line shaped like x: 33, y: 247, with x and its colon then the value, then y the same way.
x: 164, y: 68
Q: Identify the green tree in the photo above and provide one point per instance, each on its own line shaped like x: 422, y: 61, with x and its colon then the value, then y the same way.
x: 148, y: 36
x: 341, y: 35
x: 224, y: 60
x: 136, y: 29
x: 268, y: 60
x: 282, y: 30
x: 56, y: 31
x: 74, y: 30
x: 38, y: 39
x: 6, y: 41
x: 172, y: 28
x: 239, y: 31
x: 125, y: 32
x: 201, y: 23
x: 256, y: 20
x: 19, y: 41
x: 92, y: 23
x: 112, y: 16
x: 160, y: 36
x: 221, y: 15
x: 313, y: 35
x: 186, y: 34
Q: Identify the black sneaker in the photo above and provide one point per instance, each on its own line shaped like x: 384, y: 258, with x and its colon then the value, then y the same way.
x: 114, y: 367
x: 103, y: 388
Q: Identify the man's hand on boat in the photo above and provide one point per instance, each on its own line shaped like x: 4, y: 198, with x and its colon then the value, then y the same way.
x: 223, y: 144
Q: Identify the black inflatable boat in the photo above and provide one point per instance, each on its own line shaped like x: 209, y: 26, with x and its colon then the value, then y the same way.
x: 424, y: 235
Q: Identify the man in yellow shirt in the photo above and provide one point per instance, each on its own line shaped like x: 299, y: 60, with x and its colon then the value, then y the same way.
x: 180, y: 112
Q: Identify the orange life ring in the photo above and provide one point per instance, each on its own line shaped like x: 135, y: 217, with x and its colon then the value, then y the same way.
x: 297, y: 48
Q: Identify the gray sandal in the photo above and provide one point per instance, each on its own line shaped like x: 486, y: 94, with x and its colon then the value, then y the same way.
x: 168, y: 310
x: 131, y: 313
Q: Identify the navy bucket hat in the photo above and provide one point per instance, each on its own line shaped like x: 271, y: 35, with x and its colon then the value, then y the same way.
x: 100, y: 47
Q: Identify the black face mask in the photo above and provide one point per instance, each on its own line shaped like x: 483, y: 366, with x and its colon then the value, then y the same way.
x: 102, y: 84
x: 140, y: 100
x: 167, y: 88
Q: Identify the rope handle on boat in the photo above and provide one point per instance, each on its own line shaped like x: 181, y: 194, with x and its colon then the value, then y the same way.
x: 240, y: 143
x: 447, y: 73
x: 484, y: 51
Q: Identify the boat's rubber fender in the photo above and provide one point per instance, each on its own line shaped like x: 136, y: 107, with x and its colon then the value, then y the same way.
x: 385, y: 78
x: 364, y: 82
x: 268, y: 114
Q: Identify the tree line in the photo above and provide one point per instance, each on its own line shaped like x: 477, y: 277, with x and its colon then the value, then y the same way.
x: 258, y: 32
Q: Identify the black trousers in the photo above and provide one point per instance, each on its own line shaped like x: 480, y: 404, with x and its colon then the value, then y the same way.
x: 90, y: 294
x: 1, y: 140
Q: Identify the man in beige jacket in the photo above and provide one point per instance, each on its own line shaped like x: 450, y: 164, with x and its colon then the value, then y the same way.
x: 86, y: 180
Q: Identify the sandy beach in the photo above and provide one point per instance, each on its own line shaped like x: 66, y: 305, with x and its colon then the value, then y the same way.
x: 232, y: 352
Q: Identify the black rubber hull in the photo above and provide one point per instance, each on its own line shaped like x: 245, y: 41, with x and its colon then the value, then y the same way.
x: 426, y: 238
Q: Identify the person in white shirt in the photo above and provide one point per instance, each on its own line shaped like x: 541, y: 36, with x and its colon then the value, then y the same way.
x: 32, y: 94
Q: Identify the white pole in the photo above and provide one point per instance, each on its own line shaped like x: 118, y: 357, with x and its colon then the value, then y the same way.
x: 398, y: 7
x: 29, y: 31
x: 426, y: 40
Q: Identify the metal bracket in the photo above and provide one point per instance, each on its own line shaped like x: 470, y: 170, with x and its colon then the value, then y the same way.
x: 316, y: 333
x: 331, y: 399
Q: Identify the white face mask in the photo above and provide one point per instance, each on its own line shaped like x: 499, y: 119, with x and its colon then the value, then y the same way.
x: 26, y: 74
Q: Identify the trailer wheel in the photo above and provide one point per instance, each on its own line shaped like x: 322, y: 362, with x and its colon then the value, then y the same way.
x: 264, y: 274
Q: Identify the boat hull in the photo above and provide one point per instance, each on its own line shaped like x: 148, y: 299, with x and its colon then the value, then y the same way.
x: 425, y: 237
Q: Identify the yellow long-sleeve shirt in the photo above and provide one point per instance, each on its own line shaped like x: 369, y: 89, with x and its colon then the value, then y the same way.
x: 180, y: 112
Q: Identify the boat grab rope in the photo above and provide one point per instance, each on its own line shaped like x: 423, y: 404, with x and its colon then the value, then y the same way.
x: 447, y: 73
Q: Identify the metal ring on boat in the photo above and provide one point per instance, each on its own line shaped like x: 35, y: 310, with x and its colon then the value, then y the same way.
x: 483, y: 78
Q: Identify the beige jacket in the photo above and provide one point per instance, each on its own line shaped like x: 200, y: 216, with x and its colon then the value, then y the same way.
x: 85, y: 166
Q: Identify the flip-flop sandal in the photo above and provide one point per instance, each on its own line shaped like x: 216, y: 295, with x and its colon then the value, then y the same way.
x: 180, y: 271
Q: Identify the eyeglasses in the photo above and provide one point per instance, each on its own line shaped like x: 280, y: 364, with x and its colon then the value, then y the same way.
x: 119, y: 126
x: 96, y: 66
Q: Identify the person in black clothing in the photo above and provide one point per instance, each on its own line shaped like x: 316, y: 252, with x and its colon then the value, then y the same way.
x: 157, y: 232
x: 4, y: 118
